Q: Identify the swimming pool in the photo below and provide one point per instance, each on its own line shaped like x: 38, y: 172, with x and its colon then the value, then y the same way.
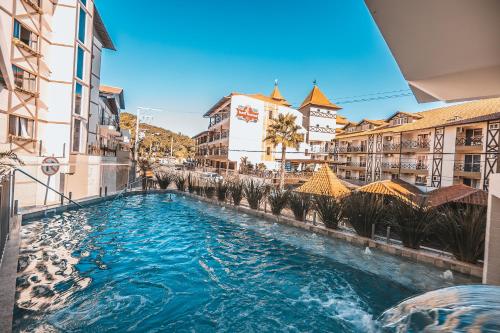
x: 141, y: 263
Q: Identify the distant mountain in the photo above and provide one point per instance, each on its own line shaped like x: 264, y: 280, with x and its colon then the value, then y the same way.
x: 159, y: 138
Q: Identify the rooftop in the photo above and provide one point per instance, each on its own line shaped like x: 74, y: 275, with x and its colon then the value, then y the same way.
x: 317, y: 98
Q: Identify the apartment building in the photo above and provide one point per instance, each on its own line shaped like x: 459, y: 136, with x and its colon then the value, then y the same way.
x: 238, y: 126
x: 441, y: 147
x: 49, y: 61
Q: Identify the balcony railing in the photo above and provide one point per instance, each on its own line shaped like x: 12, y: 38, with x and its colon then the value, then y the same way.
x: 218, y: 136
x: 415, y: 144
x: 468, y: 167
x: 218, y: 119
x: 355, y: 164
x: 352, y: 149
x: 405, y: 165
x: 471, y: 141
x: 395, y: 147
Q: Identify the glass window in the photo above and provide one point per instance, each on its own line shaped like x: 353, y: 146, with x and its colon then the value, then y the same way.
x: 80, y: 58
x: 78, y: 98
x: 23, y: 79
x: 21, y: 127
x: 25, y: 35
x: 76, y: 135
x: 81, y: 25
x: 84, y: 2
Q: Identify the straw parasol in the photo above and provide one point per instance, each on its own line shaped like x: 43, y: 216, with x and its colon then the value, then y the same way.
x: 459, y: 193
x: 324, y: 182
x: 395, y: 188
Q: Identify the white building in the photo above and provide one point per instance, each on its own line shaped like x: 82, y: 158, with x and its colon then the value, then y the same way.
x: 238, y: 126
x: 50, y: 64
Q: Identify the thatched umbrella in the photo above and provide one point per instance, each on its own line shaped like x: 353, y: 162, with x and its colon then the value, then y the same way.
x: 324, y: 182
x: 394, y: 188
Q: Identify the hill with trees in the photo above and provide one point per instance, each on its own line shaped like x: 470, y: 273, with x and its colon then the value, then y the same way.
x: 157, y: 139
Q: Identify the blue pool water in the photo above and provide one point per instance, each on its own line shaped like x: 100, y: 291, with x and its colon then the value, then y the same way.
x: 144, y: 264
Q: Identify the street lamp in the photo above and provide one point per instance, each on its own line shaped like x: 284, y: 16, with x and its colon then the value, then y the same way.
x: 138, y: 120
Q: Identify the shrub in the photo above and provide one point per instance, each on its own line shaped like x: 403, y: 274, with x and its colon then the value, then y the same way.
x: 209, y: 190
x: 222, y: 189
x: 164, y: 179
x: 462, y: 231
x: 278, y: 200
x: 236, y: 190
x: 180, y: 182
x: 198, y: 189
x: 329, y: 210
x: 412, y: 221
x: 300, y: 204
x: 191, y: 184
x: 362, y: 210
x: 254, y: 192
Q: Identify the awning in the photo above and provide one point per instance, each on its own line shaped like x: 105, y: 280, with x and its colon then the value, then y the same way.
x: 447, y: 50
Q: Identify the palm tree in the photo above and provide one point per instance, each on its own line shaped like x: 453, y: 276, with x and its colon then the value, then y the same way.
x: 284, y: 131
x: 8, y: 160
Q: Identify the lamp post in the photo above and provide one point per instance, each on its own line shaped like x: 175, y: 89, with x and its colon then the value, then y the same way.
x: 137, y: 123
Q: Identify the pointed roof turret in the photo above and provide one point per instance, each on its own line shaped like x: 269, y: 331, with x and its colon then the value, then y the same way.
x: 276, y: 95
x: 317, y: 98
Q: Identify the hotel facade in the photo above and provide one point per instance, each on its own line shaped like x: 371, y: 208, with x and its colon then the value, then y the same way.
x: 238, y: 127
x: 50, y: 96
x: 457, y: 144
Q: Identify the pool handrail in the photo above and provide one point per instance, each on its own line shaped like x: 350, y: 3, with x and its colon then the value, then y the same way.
x: 40, y: 182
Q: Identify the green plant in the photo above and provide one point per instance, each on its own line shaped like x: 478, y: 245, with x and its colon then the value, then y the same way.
x: 362, y: 210
x: 412, y: 220
x: 278, y: 200
x: 180, y: 182
x: 209, y: 190
x: 300, y: 204
x: 285, y: 132
x: 190, y: 183
x: 329, y: 210
x: 254, y: 192
x: 462, y: 231
x: 222, y: 189
x: 198, y: 189
x: 236, y: 191
x: 164, y: 179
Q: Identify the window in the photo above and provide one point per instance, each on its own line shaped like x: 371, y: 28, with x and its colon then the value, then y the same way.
x: 76, y: 135
x: 268, y: 151
x: 472, y: 163
x: 2, y: 80
x: 394, y: 176
x: 81, y: 25
x: 84, y: 2
x: 400, y: 121
x: 80, y: 58
x: 421, y: 180
x: 23, y: 34
x: 348, y: 175
x: 474, y: 183
x: 78, y: 98
x: 23, y: 79
x: 21, y: 127
x: 270, y: 114
x: 473, y: 136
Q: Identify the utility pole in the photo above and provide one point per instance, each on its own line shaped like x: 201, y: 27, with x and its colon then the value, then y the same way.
x: 171, y: 146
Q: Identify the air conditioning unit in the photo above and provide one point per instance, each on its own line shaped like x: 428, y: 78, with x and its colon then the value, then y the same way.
x: 389, y: 138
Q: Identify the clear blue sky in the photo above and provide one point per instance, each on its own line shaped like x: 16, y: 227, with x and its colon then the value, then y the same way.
x: 182, y: 56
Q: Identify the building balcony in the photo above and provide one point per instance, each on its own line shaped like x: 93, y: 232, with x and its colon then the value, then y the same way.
x: 352, y: 149
x: 218, y: 120
x: 469, y: 144
x: 216, y: 136
x: 391, y: 148
x: 468, y: 170
x: 29, y: 46
x: 415, y: 146
x: 416, y: 168
x: 358, y: 166
x: 321, y: 150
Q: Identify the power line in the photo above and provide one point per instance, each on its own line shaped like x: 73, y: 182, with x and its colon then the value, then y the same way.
x: 372, y: 94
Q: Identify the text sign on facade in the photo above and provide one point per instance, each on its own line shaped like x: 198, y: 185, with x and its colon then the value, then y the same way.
x: 247, y: 113
x: 50, y: 166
